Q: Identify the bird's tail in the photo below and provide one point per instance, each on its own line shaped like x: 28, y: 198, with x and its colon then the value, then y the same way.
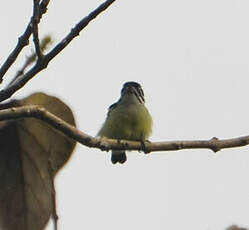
x: 118, y: 156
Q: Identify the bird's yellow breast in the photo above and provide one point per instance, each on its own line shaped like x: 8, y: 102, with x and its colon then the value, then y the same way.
x: 131, y: 122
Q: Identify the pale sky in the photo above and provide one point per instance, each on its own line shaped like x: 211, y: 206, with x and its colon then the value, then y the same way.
x: 192, y: 59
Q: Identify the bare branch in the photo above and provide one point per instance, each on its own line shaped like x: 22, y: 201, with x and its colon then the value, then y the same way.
x: 35, y: 22
x: 43, y: 7
x: 42, y: 64
x: 78, y: 28
x: 46, y: 41
x: 23, y: 40
x: 108, y: 144
x: 20, y: 82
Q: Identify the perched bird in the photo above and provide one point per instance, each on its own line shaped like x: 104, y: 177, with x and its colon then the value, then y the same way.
x: 127, y: 119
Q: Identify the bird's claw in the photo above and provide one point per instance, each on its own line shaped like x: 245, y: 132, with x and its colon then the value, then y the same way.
x: 143, y: 146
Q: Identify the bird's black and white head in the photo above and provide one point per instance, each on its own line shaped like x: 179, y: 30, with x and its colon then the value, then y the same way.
x: 133, y: 92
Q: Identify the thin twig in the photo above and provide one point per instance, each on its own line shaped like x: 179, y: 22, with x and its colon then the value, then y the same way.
x: 35, y: 22
x: 109, y: 144
x: 42, y: 64
x: 23, y: 40
x: 43, y: 7
x: 45, y: 43
x: 78, y: 28
x: 19, y: 83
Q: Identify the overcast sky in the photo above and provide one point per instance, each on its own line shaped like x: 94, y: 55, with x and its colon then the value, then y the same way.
x: 192, y: 59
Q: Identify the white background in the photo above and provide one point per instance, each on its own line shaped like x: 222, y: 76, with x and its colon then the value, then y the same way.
x: 191, y: 57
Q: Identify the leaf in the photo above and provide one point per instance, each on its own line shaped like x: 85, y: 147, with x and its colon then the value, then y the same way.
x: 31, y: 153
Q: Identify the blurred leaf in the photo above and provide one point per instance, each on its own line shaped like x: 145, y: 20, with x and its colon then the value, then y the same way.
x: 31, y: 153
x: 235, y: 227
x: 46, y: 42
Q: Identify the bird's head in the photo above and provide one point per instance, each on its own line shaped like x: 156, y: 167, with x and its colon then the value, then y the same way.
x: 132, y: 88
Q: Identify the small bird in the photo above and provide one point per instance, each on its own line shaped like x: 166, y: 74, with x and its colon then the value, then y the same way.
x: 127, y: 119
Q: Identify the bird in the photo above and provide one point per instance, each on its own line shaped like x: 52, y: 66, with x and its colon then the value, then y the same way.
x: 127, y: 119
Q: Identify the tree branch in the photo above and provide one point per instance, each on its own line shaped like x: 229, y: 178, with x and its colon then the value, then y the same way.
x: 42, y: 64
x: 78, y: 28
x: 45, y: 42
x: 35, y: 22
x: 105, y: 144
x: 23, y: 40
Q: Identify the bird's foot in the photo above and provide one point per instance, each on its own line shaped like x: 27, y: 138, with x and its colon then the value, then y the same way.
x: 143, y: 146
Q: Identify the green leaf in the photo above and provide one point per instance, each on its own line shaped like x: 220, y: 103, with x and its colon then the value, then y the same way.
x: 31, y: 153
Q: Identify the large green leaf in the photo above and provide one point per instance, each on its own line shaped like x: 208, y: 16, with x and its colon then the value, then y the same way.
x: 31, y: 152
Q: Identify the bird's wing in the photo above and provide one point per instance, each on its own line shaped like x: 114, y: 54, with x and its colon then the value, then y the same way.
x: 111, y: 108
